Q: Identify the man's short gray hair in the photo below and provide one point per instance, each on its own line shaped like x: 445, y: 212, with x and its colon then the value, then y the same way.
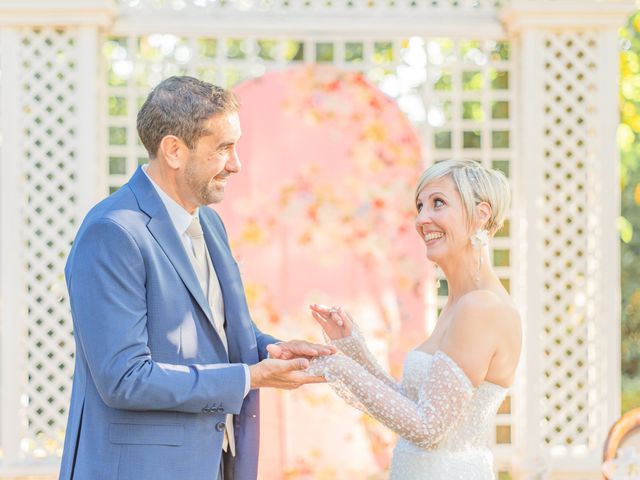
x: 179, y: 106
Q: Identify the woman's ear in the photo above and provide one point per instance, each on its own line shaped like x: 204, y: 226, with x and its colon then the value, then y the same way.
x: 483, y: 214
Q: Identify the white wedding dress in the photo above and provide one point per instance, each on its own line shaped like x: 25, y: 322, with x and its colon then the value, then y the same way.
x: 444, y: 423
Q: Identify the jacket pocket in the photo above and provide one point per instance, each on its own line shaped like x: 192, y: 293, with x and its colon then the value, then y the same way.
x: 146, y: 434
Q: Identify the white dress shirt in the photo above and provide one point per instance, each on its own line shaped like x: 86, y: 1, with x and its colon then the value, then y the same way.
x: 181, y: 220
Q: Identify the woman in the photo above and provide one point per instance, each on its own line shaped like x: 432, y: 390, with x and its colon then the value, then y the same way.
x: 453, y: 382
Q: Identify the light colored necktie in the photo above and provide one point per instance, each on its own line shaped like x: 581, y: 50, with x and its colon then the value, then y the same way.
x: 199, y: 254
x: 211, y: 288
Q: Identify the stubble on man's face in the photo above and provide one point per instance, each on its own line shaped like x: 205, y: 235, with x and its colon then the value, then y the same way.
x: 213, y: 159
x: 206, y: 189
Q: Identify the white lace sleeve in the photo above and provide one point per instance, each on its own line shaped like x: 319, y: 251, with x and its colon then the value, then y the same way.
x: 445, y: 394
x: 355, y: 347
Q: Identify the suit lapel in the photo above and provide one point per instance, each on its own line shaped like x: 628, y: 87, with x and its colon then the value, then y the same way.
x: 163, y: 231
x: 238, y: 324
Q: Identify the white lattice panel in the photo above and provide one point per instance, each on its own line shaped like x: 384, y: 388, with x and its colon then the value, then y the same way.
x: 283, y: 7
x: 458, y: 93
x: 470, y: 111
x: 572, y: 402
x: 48, y: 86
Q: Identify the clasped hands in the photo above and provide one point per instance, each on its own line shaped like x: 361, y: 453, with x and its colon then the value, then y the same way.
x: 287, y: 362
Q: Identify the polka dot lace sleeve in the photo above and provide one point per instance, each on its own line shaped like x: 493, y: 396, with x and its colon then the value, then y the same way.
x: 355, y: 347
x: 445, y: 394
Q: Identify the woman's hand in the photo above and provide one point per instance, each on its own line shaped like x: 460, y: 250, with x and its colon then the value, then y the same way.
x: 335, y: 322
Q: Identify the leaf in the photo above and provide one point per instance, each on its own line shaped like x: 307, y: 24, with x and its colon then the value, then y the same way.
x: 625, y: 228
x: 626, y: 137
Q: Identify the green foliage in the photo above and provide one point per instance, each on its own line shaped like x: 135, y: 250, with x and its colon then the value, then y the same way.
x: 628, y: 224
x: 324, y: 52
x: 630, y: 393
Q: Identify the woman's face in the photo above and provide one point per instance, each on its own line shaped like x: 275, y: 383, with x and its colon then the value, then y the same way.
x: 441, y: 221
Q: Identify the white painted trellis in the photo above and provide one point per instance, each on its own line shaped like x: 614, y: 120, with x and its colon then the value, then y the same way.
x: 542, y: 76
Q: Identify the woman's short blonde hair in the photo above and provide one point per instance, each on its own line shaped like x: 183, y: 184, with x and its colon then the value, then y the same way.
x: 475, y: 184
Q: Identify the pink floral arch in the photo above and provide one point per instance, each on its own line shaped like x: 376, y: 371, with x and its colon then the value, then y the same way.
x: 322, y: 211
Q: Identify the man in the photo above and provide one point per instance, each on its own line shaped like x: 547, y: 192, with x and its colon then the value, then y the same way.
x: 168, y: 360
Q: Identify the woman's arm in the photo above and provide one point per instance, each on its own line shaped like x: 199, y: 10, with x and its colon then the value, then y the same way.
x: 444, y: 396
x: 342, y: 332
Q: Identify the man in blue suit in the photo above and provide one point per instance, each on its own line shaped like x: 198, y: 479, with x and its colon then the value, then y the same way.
x: 168, y: 361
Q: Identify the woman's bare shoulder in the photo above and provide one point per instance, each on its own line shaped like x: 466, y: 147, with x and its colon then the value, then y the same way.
x: 486, y: 305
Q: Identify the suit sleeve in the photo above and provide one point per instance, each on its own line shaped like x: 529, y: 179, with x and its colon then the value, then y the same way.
x: 263, y: 340
x: 107, y: 291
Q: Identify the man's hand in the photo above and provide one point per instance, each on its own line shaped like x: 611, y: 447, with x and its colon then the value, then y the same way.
x: 276, y: 373
x: 298, y: 348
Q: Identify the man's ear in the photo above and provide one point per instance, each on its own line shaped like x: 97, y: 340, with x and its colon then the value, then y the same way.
x: 483, y: 213
x: 171, y: 149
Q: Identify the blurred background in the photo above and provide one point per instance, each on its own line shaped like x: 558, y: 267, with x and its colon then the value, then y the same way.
x: 630, y: 213
x: 344, y: 103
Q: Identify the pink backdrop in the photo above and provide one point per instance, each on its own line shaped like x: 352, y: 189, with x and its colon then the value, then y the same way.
x: 323, y: 212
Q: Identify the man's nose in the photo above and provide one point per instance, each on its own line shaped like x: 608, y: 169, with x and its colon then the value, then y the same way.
x: 234, y: 165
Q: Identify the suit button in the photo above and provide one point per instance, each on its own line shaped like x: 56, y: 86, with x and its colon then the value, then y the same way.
x: 220, y: 426
x: 206, y: 410
x: 220, y: 409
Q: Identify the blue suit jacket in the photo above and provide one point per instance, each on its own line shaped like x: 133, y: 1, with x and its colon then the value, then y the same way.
x: 152, y: 377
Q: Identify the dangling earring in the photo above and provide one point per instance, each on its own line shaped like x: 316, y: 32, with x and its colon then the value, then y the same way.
x: 437, y: 276
x: 479, y: 240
